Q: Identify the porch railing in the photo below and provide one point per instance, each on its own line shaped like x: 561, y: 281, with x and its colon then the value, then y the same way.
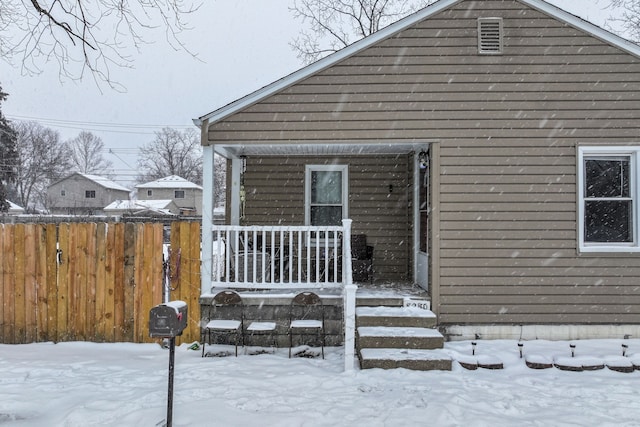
x: 286, y: 257
x: 272, y: 257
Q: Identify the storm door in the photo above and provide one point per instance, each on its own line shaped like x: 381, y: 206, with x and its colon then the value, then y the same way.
x: 421, y: 213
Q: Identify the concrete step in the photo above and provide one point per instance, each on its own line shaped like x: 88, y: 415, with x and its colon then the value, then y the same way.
x: 391, y: 358
x: 395, y: 316
x: 398, y: 337
x: 375, y: 301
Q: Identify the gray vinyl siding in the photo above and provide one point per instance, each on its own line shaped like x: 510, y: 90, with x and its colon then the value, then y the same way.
x: 75, y: 202
x: 508, y: 127
x: 192, y: 197
x: 275, y: 196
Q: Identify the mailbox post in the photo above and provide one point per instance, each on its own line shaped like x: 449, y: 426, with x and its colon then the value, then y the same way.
x: 168, y: 320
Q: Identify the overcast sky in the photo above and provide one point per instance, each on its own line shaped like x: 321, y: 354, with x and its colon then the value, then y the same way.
x: 242, y: 46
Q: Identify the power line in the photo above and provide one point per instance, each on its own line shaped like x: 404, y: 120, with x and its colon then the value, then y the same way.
x: 129, y: 128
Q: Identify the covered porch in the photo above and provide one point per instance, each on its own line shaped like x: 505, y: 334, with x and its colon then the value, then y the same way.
x: 382, y: 188
x: 282, y: 238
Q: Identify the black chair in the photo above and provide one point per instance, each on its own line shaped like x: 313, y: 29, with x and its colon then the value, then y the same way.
x: 361, y: 259
x: 306, y: 315
x: 228, y: 309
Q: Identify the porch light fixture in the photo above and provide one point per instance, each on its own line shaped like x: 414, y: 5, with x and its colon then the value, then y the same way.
x: 243, y: 168
x: 423, y: 159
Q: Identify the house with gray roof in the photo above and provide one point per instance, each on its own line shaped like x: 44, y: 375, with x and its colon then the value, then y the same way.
x: 185, y: 194
x: 489, y: 151
x: 83, y: 194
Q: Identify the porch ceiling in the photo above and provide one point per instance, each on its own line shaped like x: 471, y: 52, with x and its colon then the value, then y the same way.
x: 231, y: 151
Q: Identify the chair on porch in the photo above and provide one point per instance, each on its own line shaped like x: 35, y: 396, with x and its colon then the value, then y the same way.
x: 361, y: 258
x: 228, y: 309
x: 306, y: 314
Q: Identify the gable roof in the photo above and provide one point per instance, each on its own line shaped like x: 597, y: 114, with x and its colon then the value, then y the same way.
x: 172, y: 181
x: 13, y: 208
x: 104, y: 182
x: 397, y: 27
x: 100, y: 180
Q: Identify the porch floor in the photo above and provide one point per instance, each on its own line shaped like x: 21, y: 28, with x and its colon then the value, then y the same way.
x: 395, y: 289
x: 365, y: 290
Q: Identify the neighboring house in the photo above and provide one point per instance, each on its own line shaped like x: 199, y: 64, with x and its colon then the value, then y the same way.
x: 14, y: 209
x: 142, y: 208
x: 186, y: 195
x: 488, y: 149
x: 83, y: 194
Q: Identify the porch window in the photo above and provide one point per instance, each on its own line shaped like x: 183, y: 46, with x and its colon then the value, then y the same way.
x: 608, y: 199
x: 325, y: 194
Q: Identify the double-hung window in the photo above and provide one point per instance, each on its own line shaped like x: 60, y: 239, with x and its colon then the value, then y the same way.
x: 326, y: 188
x: 608, y: 199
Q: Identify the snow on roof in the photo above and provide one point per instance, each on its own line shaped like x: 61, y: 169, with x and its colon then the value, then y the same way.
x: 13, y: 208
x: 131, y: 205
x: 172, y: 181
x: 401, y: 25
x: 105, y: 182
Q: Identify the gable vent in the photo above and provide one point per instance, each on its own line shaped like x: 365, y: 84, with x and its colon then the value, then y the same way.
x: 490, y: 35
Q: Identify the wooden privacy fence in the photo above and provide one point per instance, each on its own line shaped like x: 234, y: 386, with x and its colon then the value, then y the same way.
x: 93, y: 281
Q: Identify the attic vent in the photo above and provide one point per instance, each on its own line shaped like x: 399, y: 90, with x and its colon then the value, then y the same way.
x: 490, y: 35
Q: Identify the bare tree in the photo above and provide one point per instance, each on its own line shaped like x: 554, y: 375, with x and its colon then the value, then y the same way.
x: 8, y: 156
x: 85, y: 152
x: 220, y: 171
x: 626, y: 18
x: 335, y: 24
x: 42, y: 159
x: 171, y: 153
x: 83, y: 35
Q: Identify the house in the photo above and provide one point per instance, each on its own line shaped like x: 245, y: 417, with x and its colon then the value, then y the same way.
x: 142, y: 208
x: 487, y: 149
x: 83, y: 194
x: 186, y: 195
x: 14, y: 209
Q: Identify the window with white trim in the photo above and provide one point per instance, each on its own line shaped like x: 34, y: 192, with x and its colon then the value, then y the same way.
x: 178, y: 194
x: 608, y: 199
x: 490, y: 36
x: 326, y: 188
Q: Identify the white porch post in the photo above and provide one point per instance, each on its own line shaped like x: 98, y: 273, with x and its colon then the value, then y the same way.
x: 349, y: 299
x: 236, y: 172
x: 208, y: 204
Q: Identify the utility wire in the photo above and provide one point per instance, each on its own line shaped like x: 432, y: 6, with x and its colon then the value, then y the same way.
x: 130, y: 128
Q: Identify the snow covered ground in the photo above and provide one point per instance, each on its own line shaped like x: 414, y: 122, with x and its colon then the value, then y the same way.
x: 86, y: 384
